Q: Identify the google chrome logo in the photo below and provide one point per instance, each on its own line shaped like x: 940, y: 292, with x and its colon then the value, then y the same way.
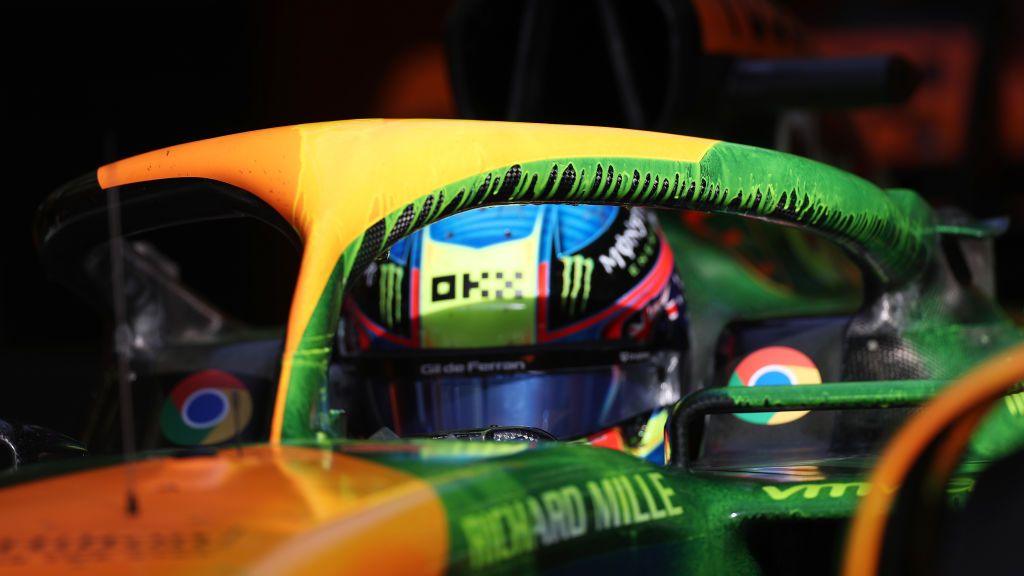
x: 207, y: 407
x: 775, y: 366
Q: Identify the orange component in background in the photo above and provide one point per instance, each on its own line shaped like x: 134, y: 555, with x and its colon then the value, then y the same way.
x: 932, y: 127
x: 747, y: 28
x: 1011, y: 107
x: 417, y: 85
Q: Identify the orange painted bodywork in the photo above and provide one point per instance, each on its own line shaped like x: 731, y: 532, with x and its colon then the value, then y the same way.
x: 332, y: 180
x: 747, y: 28
x: 931, y: 128
x: 260, y: 510
x: 265, y: 163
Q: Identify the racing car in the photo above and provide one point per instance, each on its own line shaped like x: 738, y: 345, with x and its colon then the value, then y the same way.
x: 785, y: 316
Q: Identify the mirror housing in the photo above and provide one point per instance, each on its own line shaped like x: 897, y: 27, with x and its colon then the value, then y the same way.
x: 22, y: 444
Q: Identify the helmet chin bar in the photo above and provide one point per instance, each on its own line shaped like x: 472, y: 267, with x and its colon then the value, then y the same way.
x: 353, y: 188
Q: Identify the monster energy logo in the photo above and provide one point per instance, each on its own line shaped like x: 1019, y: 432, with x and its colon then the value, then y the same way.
x: 624, y: 253
x: 576, y: 274
x: 390, y: 291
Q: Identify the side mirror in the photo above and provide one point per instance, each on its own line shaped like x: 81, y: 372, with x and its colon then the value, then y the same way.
x: 22, y: 444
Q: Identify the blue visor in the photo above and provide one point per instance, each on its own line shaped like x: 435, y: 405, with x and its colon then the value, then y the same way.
x: 568, y: 404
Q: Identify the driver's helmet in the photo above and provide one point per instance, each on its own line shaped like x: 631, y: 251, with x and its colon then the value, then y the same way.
x: 570, y: 319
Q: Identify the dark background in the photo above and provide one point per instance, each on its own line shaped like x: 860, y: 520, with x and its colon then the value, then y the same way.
x: 87, y: 85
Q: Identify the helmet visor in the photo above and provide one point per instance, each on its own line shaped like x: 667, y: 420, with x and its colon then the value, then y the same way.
x: 565, y: 396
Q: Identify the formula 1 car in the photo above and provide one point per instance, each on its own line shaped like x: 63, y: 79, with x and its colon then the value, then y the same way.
x: 797, y: 371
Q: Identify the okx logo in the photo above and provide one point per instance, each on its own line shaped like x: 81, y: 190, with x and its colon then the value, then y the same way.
x: 477, y: 286
x: 577, y: 272
x: 390, y: 293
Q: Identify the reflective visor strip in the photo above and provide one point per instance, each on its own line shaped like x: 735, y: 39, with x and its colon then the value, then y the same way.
x: 352, y: 188
x: 609, y: 388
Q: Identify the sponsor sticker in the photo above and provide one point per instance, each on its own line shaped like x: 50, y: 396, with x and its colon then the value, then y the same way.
x: 207, y: 407
x: 775, y: 366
